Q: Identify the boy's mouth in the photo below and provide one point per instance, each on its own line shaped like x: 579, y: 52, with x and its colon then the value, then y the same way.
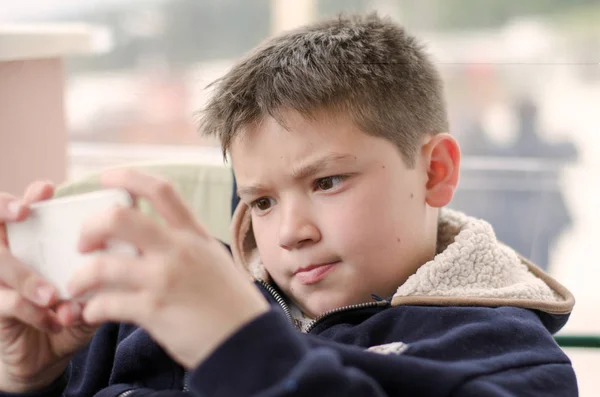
x: 314, y: 273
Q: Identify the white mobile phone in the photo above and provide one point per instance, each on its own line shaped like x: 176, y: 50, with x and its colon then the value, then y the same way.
x: 47, y: 240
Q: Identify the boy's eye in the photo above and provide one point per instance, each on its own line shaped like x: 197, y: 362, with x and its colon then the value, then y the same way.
x: 329, y: 182
x: 262, y: 204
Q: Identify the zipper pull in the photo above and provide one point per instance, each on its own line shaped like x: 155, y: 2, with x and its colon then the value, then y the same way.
x: 378, y: 298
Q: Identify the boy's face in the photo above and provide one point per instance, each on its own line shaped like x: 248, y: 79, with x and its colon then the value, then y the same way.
x: 336, y: 213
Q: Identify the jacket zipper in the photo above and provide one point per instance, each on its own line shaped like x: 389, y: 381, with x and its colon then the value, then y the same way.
x: 185, y: 388
x: 286, y: 309
x: 344, y: 309
x: 279, y: 299
x: 185, y: 382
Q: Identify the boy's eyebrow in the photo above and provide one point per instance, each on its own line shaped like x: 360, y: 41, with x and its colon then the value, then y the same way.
x: 301, y: 172
x: 254, y: 190
x: 306, y: 170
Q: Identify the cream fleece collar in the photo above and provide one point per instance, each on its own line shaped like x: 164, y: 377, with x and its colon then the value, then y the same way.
x: 471, y: 268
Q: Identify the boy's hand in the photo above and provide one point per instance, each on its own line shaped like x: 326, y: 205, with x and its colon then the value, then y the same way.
x: 183, y: 288
x: 37, y: 335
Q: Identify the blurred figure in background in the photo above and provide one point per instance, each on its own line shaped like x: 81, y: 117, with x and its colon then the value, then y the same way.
x: 531, y: 199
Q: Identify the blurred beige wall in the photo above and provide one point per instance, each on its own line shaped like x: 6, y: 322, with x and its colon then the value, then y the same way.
x: 290, y: 14
x: 33, y: 137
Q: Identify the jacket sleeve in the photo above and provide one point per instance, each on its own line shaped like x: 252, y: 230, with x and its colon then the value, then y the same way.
x: 270, y: 358
x: 549, y: 380
x: 53, y: 390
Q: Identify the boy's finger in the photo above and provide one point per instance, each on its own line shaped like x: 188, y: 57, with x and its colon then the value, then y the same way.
x: 125, y: 307
x: 11, y: 209
x: 38, y: 191
x: 7, y: 212
x: 17, y: 276
x: 69, y: 313
x: 3, y: 236
x: 14, y: 305
x: 106, y: 272
x: 122, y: 224
x: 14, y: 210
x: 160, y: 193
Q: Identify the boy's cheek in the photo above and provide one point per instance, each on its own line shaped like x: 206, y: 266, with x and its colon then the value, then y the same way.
x: 367, y: 232
x: 353, y: 237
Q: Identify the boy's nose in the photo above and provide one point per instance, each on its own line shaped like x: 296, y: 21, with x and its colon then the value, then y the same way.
x: 297, y: 230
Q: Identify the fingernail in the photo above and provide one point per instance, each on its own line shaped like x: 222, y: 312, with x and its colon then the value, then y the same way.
x: 44, y: 295
x: 14, y: 207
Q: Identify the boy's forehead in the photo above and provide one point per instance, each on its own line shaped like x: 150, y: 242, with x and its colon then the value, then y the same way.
x: 321, y: 126
x: 299, y: 147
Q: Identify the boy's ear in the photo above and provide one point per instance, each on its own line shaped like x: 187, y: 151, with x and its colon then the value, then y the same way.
x: 442, y: 161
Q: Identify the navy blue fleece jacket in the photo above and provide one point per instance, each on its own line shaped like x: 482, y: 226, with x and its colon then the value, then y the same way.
x: 477, y: 320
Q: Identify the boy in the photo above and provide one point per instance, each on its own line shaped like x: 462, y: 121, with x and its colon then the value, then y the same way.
x: 337, y: 132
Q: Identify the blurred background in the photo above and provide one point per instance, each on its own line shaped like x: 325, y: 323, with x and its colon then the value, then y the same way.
x: 522, y: 84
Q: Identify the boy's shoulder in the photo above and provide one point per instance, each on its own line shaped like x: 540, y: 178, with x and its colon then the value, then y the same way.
x: 473, y: 268
x: 501, y: 337
x: 412, y: 324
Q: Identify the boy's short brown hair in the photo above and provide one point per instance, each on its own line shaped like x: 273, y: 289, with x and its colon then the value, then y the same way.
x: 364, y: 66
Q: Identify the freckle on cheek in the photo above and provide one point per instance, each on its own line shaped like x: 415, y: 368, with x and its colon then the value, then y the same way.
x: 412, y: 195
x: 398, y: 239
